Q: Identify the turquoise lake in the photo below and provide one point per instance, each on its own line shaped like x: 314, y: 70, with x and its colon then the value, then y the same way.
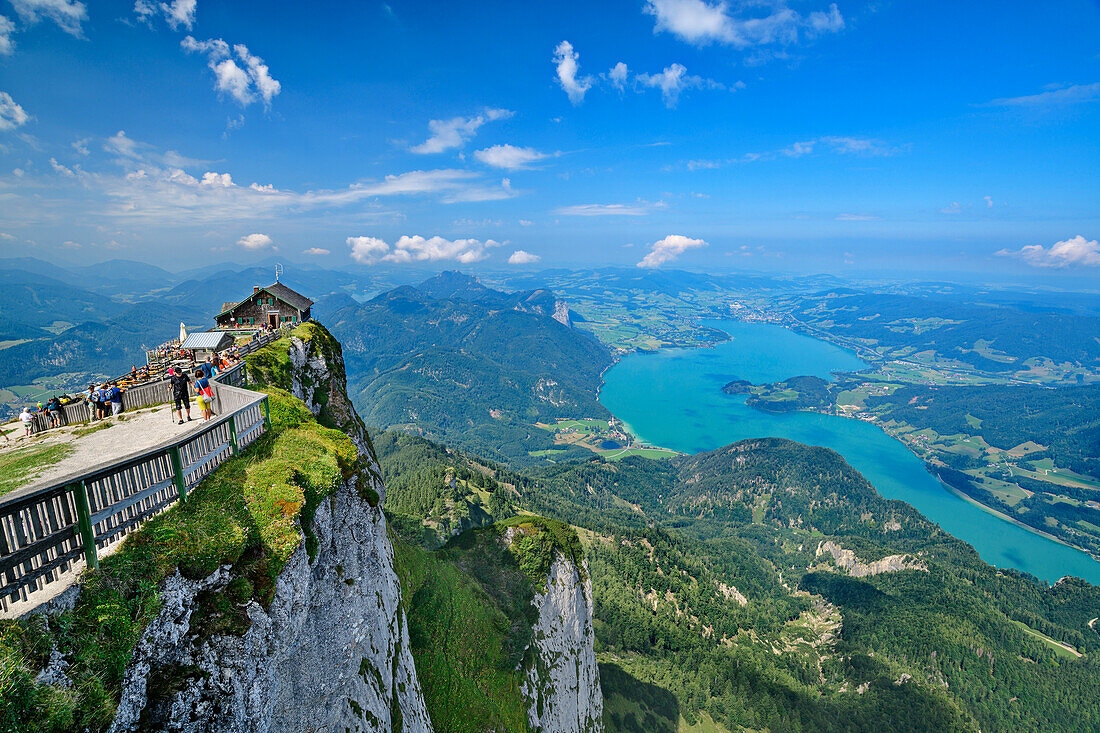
x: 673, y: 398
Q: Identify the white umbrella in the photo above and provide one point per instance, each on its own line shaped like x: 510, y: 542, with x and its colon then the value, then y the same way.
x: 183, y: 332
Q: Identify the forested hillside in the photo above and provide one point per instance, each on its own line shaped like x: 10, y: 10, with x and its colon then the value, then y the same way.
x: 475, y: 373
x: 766, y: 585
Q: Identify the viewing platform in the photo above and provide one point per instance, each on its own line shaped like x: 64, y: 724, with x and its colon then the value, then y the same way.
x: 78, y: 506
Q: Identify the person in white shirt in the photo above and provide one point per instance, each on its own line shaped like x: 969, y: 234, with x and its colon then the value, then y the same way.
x: 27, y: 419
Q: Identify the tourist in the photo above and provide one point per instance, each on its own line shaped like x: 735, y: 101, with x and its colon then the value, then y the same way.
x: 114, y: 394
x: 179, y: 382
x: 133, y: 371
x: 27, y: 419
x: 56, y: 413
x: 204, y: 394
x: 90, y: 400
x: 53, y: 412
x: 104, y: 401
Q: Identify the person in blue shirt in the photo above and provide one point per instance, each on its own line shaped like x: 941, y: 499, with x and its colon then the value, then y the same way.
x: 114, y: 395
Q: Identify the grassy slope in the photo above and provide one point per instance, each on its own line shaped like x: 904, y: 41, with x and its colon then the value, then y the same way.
x: 470, y: 616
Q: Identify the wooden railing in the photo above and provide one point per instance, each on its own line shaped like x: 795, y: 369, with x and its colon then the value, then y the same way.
x: 159, y: 392
x: 49, y: 534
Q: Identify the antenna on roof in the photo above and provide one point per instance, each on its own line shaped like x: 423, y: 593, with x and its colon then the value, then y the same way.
x: 278, y: 271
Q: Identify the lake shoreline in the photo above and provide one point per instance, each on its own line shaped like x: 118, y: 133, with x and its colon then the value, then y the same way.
x: 673, y: 399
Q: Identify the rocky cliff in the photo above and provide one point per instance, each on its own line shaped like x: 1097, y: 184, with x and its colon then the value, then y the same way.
x: 561, y: 678
x: 847, y: 560
x: 331, y: 649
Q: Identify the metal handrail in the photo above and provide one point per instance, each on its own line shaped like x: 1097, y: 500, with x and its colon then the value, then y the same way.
x: 50, y: 533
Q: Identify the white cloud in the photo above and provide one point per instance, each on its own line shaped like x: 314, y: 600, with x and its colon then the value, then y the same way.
x: 81, y: 145
x: 509, y: 157
x: 673, y: 80
x: 241, y: 83
x: 856, y: 217
x: 701, y: 23
x: 988, y: 201
x: 68, y: 14
x: 455, y: 132
x: 565, y: 61
x: 953, y: 208
x: 315, y: 251
x: 1072, y: 252
x: 7, y: 29
x: 58, y: 168
x: 859, y: 146
x: 178, y: 13
x: 618, y: 75
x: 210, y: 178
x: 11, y: 114
x: 1073, y: 94
x: 602, y: 210
x: 372, y: 250
x: 522, y: 257
x: 525, y: 222
x: 256, y: 242
x: 668, y: 249
x: 259, y: 73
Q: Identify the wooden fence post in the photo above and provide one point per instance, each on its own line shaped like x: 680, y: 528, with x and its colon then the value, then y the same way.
x: 84, y: 523
x: 177, y: 471
x: 233, y: 449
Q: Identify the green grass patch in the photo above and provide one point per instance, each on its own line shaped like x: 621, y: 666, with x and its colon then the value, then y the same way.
x: 20, y: 465
x: 81, y: 432
x: 1051, y: 644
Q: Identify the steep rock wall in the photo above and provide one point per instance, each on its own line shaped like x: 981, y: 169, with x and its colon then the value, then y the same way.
x: 331, y: 652
x: 561, y: 679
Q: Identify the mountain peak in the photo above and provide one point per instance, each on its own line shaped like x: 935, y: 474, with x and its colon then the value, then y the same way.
x: 454, y: 284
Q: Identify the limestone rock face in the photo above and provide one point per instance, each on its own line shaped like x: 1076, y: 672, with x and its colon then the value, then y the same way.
x: 562, y: 682
x: 330, y: 653
x: 847, y: 560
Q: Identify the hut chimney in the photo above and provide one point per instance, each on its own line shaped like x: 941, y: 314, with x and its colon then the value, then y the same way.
x: 255, y: 289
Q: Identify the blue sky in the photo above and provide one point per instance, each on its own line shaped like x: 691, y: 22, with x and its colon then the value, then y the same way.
x: 765, y: 135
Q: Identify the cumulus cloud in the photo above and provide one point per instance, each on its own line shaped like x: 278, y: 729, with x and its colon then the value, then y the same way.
x: 673, y: 80
x: 256, y: 242
x: 509, y: 157
x: 701, y: 23
x: 68, y: 14
x: 523, y: 257
x: 178, y: 13
x: 455, y: 132
x: 988, y: 201
x: 372, y: 250
x: 602, y: 210
x: 315, y: 251
x: 618, y: 75
x: 668, y: 249
x: 565, y: 61
x: 11, y: 114
x: 7, y: 30
x: 1075, y: 252
x: 243, y: 83
x: 1073, y: 94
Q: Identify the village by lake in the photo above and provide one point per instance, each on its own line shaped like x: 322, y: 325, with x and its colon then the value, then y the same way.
x: 673, y: 398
